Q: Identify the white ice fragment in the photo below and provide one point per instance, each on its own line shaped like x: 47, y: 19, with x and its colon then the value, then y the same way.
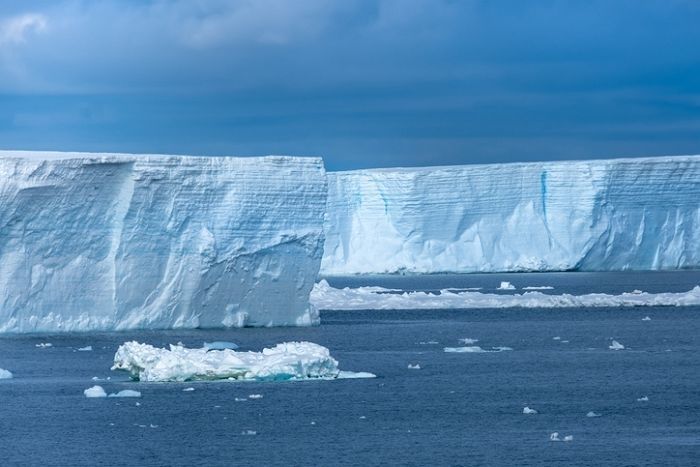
x: 95, y: 391
x: 355, y: 375
x: 506, y: 286
x: 240, y: 399
x: 220, y: 345
x: 501, y: 348
x: 466, y: 349
x: 569, y: 438
x: 529, y: 411
x: 592, y: 414
x: 615, y: 345
x: 474, y: 349
x: 153, y: 426
x: 85, y: 349
x: 565, y: 342
x: 4, y: 374
x: 414, y: 367
x: 190, y: 389
x: 643, y: 399
x: 646, y: 318
x: 428, y: 343
x: 249, y: 433
x: 538, y: 287
x: 362, y: 417
x: 468, y: 341
x: 126, y: 393
x: 554, y: 437
x: 556, y: 338
x: 44, y: 345
x: 636, y: 292
x: 285, y: 361
x: 255, y: 396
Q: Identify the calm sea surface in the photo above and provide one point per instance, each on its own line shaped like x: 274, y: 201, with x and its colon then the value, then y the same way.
x: 457, y: 409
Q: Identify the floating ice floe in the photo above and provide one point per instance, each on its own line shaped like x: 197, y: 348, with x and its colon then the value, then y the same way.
x: 643, y: 399
x: 555, y: 437
x: 249, y: 433
x: 615, y: 345
x: 220, y: 345
x: 414, y: 367
x: 190, y: 389
x: 506, y: 286
x: 467, y: 340
x: 556, y: 338
x: 529, y: 411
x: 538, y: 287
x: 285, y: 361
x: 95, y: 391
x: 85, y: 349
x: 255, y: 396
x: 325, y: 297
x: 646, y: 318
x: 592, y: 414
x: 474, y: 349
x: 126, y: 393
x: 4, y: 374
x: 44, y: 345
x: 428, y: 343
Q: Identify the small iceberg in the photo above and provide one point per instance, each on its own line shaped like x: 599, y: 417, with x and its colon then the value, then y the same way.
x: 592, y: 414
x: 505, y: 285
x: 249, y: 433
x: 190, y: 389
x: 646, y: 318
x: 615, y: 345
x: 556, y: 338
x: 220, y: 345
x: 285, y: 361
x: 255, y: 396
x: 85, y: 349
x: 44, y: 345
x: 643, y: 399
x: 414, y: 367
x: 126, y: 393
x: 95, y: 391
x: 538, y: 287
x: 4, y: 374
x: 529, y: 411
x: 555, y: 437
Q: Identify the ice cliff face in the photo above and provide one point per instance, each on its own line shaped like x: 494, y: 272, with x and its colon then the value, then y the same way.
x: 108, y: 241
x: 583, y: 215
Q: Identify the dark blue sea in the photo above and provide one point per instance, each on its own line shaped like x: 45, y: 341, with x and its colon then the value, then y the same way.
x: 457, y: 409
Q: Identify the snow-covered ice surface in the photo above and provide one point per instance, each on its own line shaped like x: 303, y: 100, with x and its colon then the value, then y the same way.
x: 325, y: 297
x: 285, y: 361
x: 598, y: 215
x: 118, y: 241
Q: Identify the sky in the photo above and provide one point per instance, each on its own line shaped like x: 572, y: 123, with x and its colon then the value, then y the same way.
x: 363, y: 83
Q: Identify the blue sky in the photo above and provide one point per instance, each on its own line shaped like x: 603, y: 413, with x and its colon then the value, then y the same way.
x: 364, y: 83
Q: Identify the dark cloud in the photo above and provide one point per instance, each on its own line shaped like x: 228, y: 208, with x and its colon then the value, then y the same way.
x: 363, y: 83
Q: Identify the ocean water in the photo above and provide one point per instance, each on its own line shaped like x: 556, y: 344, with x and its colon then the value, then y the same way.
x: 457, y: 409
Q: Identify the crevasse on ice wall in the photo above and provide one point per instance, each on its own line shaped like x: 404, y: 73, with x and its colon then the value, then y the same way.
x: 584, y: 215
x: 109, y: 241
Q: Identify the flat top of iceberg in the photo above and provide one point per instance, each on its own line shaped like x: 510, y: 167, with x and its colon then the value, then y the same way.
x: 616, y: 160
x: 104, y: 156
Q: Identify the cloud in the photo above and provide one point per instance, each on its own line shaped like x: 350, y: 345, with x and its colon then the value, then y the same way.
x: 14, y: 30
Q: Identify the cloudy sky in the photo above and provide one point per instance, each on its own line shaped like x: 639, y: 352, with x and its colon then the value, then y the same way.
x: 364, y: 83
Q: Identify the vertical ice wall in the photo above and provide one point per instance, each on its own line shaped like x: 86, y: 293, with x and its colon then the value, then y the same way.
x: 109, y: 241
x: 586, y: 215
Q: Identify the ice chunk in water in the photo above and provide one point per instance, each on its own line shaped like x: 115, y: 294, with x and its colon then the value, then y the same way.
x: 615, y: 345
x: 95, y: 391
x: 529, y: 411
x: 505, y: 285
x: 4, y: 374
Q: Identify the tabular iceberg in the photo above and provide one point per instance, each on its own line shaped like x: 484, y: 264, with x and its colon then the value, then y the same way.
x: 116, y: 241
x: 552, y: 216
